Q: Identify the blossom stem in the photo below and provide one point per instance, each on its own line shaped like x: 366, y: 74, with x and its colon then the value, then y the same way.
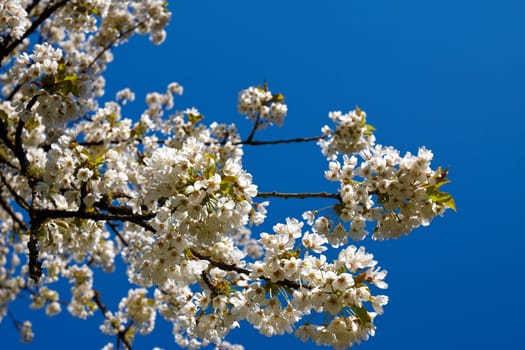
x: 252, y: 132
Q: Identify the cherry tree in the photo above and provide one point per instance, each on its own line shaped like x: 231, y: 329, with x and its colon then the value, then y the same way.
x: 82, y: 186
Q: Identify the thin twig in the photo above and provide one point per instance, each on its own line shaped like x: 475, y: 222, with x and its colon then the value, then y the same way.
x: 251, y: 142
x: 298, y: 195
x: 121, y: 336
x: 115, y: 230
x: 4, y: 51
x: 230, y: 267
x: 11, y: 213
x: 255, y: 126
x: 19, y: 199
x: 221, y: 265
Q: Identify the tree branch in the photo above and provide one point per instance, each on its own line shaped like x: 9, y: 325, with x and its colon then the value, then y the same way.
x: 4, y: 51
x: 230, y: 267
x: 19, y: 199
x: 298, y: 195
x: 113, y: 42
x: 121, y: 335
x: 19, y: 149
x: 61, y: 214
x: 5, y: 139
x: 34, y: 266
x: 12, y: 214
x: 221, y: 265
x: 254, y: 129
x: 251, y: 142
x: 115, y: 230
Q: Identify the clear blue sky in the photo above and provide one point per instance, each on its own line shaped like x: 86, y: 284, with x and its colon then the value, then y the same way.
x: 446, y: 74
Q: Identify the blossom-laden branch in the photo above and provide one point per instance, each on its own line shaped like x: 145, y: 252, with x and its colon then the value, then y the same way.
x: 122, y: 334
x: 81, y: 184
x: 15, y: 38
x: 23, y: 328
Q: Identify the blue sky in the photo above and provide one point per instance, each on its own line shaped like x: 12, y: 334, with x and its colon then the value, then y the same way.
x: 446, y: 74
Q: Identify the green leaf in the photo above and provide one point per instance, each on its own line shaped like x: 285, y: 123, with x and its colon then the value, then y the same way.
x: 211, y: 171
x: 369, y: 130
x: 439, y: 197
x: 227, y: 188
x: 229, y: 179
x: 443, y: 198
x: 195, y: 118
x: 70, y: 77
x: 277, y: 97
x: 362, y: 314
x: 62, y: 224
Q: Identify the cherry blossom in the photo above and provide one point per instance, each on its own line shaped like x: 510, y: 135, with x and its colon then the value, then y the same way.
x: 85, y: 187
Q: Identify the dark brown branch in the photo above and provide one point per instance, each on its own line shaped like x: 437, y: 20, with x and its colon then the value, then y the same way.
x: 230, y: 267
x: 138, y: 219
x: 206, y: 280
x: 115, y: 230
x: 7, y: 162
x: 221, y: 265
x: 251, y: 142
x: 31, y: 6
x: 19, y: 199
x: 13, y: 93
x: 98, y: 301
x: 113, y: 209
x: 12, y: 214
x: 4, y: 51
x: 275, y: 194
x: 19, y: 149
x: 5, y: 138
x: 34, y: 265
x: 252, y: 132
x: 121, y: 336
x: 110, y: 44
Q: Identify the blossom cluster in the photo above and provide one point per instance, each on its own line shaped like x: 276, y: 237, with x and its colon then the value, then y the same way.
x: 83, y: 186
x: 398, y: 193
x: 137, y: 308
x: 13, y: 18
x: 292, y: 281
x: 351, y: 134
x: 259, y: 104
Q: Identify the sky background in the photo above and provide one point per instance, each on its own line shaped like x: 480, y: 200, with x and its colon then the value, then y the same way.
x: 446, y: 74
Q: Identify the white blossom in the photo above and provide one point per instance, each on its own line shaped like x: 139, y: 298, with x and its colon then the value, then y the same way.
x: 85, y: 185
x: 260, y: 104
